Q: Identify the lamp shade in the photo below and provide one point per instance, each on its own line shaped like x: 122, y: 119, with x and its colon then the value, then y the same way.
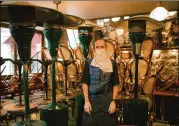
x: 23, y: 37
x: 85, y: 37
x: 53, y: 36
x: 137, y: 25
x: 137, y: 31
x: 159, y: 13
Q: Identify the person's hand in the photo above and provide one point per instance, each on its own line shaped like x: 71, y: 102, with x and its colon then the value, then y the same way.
x: 87, y: 107
x: 112, y: 107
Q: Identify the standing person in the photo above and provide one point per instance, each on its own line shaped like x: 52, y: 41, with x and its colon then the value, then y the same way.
x: 100, y: 87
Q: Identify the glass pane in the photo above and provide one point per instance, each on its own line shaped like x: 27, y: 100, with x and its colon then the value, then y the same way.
x: 73, y: 38
x: 7, y: 51
x: 46, y: 43
x: 106, y: 20
x: 36, y: 53
x: 98, y: 22
x: 102, y: 22
x: 76, y: 36
x: 115, y: 19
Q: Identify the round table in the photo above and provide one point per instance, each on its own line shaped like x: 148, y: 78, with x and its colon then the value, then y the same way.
x: 67, y: 97
x: 13, y: 108
x: 18, y: 110
x: 39, y: 93
x: 31, y: 98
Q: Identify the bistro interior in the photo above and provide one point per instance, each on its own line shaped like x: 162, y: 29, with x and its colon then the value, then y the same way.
x: 44, y: 45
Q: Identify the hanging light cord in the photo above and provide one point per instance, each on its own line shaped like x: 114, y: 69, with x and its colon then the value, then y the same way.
x: 57, y: 3
x: 159, y: 4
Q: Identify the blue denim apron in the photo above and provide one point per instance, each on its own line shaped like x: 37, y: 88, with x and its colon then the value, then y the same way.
x: 100, y: 96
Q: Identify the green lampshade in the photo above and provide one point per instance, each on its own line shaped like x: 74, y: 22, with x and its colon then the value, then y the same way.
x: 85, y: 36
x: 137, y: 31
x: 23, y: 37
x: 53, y: 36
x: 137, y: 25
x: 136, y: 38
x: 22, y: 25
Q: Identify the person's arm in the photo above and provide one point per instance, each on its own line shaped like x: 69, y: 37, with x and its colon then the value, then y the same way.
x: 85, y: 92
x: 85, y: 87
x: 87, y: 106
x: 112, y: 107
x: 115, y: 82
x: 115, y: 92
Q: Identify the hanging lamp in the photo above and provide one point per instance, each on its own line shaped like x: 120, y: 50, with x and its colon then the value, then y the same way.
x: 159, y: 13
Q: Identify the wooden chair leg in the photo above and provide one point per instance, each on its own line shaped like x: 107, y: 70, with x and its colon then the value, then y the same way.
x: 73, y: 108
x: 15, y: 118
x: 22, y: 118
x: 7, y: 122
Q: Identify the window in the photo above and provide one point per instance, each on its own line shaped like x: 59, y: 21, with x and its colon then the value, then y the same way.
x: 36, y: 53
x: 100, y: 22
x: 73, y: 38
x: 7, y: 51
x: 46, y: 42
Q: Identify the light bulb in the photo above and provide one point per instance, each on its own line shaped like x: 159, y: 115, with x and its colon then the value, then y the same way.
x: 119, y: 32
x: 106, y: 20
x: 126, y: 17
x: 115, y: 19
x: 159, y: 13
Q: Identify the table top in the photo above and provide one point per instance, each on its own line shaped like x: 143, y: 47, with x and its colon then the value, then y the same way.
x: 68, y: 97
x: 43, y: 102
x: 14, y: 108
x: 6, y: 101
x: 31, y: 97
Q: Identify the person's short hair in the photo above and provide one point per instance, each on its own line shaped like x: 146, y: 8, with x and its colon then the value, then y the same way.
x: 98, y: 34
x: 105, y: 44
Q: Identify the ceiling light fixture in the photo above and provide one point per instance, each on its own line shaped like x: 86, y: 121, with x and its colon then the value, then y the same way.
x: 172, y: 13
x: 115, y: 19
x: 106, y: 20
x: 126, y: 17
x: 159, y: 13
